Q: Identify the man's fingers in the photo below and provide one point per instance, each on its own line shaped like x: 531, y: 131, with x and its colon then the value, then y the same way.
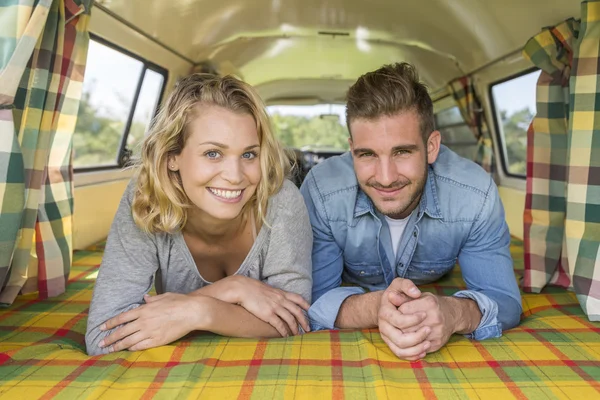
x: 120, y: 319
x: 403, y: 321
x: 296, y: 298
x: 119, y: 333
x: 405, y: 286
x: 298, y: 314
x: 397, y: 299
x: 404, y: 354
x: 425, y: 302
x: 407, y: 353
x: 405, y: 340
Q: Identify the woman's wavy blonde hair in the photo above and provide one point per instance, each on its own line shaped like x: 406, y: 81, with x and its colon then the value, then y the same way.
x: 160, y: 204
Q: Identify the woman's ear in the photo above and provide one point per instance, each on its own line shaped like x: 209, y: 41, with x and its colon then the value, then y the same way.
x: 173, y: 163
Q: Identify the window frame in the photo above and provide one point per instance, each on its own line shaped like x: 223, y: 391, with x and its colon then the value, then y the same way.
x: 124, y: 154
x: 497, y: 123
x: 454, y: 125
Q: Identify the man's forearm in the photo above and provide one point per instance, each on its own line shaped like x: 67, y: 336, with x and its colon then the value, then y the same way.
x: 359, y: 311
x: 466, y: 314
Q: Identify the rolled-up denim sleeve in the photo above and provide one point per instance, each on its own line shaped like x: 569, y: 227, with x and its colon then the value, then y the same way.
x: 488, y: 327
x: 327, y: 262
x: 487, y: 269
x: 324, y: 311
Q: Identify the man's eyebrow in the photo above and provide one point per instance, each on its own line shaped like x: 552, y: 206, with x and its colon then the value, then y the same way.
x: 395, y: 148
x: 362, y: 150
x: 405, y: 147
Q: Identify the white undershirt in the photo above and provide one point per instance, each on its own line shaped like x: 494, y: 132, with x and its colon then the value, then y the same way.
x: 397, y: 227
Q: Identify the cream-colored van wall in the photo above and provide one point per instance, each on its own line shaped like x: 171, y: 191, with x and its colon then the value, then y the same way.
x: 95, y: 208
x: 97, y: 194
x: 514, y: 204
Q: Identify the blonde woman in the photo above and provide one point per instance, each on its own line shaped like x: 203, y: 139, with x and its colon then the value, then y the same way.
x: 212, y: 222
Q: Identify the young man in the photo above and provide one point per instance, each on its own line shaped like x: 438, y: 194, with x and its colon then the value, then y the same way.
x: 399, y: 210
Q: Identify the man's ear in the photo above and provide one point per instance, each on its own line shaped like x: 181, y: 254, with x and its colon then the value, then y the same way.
x: 350, y: 143
x: 433, y: 146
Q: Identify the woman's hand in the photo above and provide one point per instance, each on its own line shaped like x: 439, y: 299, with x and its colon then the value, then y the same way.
x: 162, y: 320
x: 280, y: 309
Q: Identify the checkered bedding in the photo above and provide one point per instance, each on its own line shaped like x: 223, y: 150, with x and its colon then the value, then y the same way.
x: 554, y: 353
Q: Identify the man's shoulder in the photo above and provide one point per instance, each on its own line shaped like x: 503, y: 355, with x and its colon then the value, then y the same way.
x: 458, y: 174
x: 333, y: 175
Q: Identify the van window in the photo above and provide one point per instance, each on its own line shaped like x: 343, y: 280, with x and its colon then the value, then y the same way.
x: 513, y: 102
x: 310, y: 127
x: 456, y: 134
x: 119, y: 99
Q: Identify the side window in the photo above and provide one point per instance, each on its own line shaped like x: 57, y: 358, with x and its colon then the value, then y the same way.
x: 120, y: 96
x: 513, y: 102
x: 456, y: 134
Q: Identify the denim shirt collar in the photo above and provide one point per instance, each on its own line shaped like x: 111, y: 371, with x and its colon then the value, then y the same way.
x: 428, y: 204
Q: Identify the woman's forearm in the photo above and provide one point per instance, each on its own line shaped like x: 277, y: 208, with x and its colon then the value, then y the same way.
x: 228, y: 319
x: 225, y: 289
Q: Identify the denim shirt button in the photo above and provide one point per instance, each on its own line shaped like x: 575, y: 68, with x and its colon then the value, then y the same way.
x: 415, y: 233
x: 362, y: 272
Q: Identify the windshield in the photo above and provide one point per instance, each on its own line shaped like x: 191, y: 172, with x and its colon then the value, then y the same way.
x: 319, y: 127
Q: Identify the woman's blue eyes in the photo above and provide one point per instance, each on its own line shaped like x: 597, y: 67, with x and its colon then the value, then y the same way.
x: 213, y: 155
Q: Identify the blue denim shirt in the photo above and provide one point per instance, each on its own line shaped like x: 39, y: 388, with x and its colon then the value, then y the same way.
x: 459, y: 217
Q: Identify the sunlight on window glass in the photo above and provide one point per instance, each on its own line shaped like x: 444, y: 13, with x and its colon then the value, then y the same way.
x: 514, y: 102
x: 109, y: 85
x: 320, y: 126
x: 144, y: 110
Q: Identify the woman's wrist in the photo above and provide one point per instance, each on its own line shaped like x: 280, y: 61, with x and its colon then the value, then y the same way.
x: 231, y: 289
x: 226, y: 289
x: 201, y: 312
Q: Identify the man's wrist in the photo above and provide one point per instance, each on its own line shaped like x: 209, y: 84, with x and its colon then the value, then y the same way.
x: 379, y: 295
x: 465, y: 314
x: 359, y: 311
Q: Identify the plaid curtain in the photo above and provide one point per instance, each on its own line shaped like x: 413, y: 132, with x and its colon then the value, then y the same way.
x: 562, y: 209
x: 463, y: 91
x: 42, y: 60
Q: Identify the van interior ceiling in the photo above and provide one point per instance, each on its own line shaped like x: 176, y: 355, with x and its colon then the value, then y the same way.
x: 475, y: 56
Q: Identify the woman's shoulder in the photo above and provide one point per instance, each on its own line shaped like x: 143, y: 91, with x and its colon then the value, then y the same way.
x: 130, y: 190
x: 288, y: 196
x: 288, y: 204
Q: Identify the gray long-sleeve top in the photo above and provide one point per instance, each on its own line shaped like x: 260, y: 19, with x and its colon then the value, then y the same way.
x: 133, y: 260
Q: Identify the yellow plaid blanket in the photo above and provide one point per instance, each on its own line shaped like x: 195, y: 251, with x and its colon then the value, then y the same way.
x: 553, y: 354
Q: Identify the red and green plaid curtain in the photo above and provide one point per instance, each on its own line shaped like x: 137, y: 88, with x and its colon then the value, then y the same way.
x: 463, y: 91
x: 562, y: 209
x: 43, y: 49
